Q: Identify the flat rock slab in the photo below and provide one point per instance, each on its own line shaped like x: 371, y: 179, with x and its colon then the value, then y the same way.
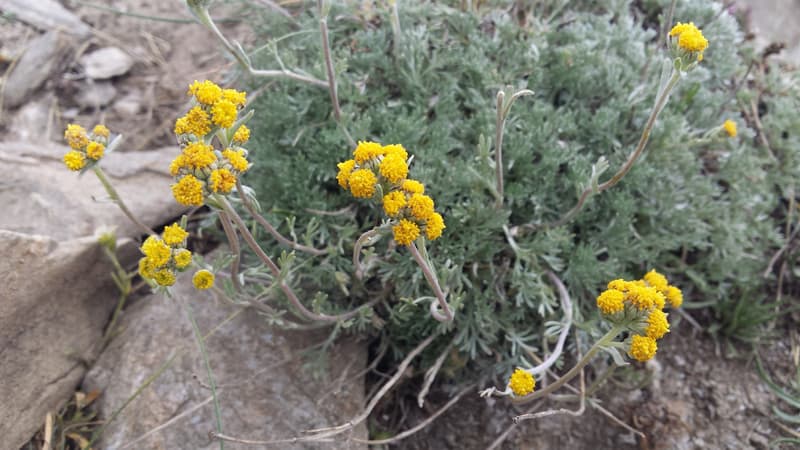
x: 265, y: 388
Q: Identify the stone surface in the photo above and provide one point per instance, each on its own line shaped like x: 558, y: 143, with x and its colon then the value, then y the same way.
x: 55, y: 299
x: 46, y: 15
x: 44, y: 56
x: 28, y: 123
x: 265, y: 391
x: 105, y: 63
x: 96, y: 94
x: 776, y: 21
x: 56, y: 293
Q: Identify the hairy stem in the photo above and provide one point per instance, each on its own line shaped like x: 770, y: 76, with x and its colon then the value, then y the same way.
x: 328, y: 59
x: 433, y: 281
x: 118, y: 200
x: 500, y: 123
x: 233, y: 242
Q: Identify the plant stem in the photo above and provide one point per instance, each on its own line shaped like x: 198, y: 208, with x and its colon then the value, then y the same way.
x: 661, y: 101
x: 211, y: 383
x: 500, y: 122
x: 433, y: 281
x: 605, y: 340
x: 332, y: 87
x: 118, y: 200
x: 233, y: 241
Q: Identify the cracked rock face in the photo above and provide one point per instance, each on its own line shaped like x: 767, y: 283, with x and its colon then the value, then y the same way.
x: 265, y: 388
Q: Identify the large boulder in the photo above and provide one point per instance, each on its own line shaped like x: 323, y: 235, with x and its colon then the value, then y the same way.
x: 266, y: 385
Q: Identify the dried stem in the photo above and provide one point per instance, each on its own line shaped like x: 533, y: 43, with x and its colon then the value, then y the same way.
x: 500, y: 123
x: 118, y: 200
x: 233, y: 241
x: 566, y: 305
x: 357, y: 250
x: 332, y: 87
x: 270, y: 229
x: 433, y: 281
x: 430, y: 375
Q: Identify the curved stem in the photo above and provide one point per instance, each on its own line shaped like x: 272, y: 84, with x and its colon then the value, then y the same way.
x: 270, y: 229
x: 118, y: 200
x: 357, y: 250
x: 566, y: 305
x: 660, y: 103
x: 433, y: 281
x: 233, y: 241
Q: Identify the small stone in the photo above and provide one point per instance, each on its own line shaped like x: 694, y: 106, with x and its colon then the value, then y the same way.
x: 46, y: 15
x: 96, y: 95
x: 44, y: 56
x: 106, y: 63
x: 29, y: 123
x: 129, y: 105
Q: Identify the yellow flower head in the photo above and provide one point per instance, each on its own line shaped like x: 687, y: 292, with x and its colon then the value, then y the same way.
x: 405, y: 232
x: 674, y: 296
x: 413, y: 187
x: 618, y: 284
x: 366, y: 151
x: 345, y: 168
x: 174, y: 235
x: 611, y: 301
x: 203, y: 279
x: 241, y: 135
x: 76, y: 136
x: 238, y: 98
x: 434, y: 226
x: 74, y: 160
x: 642, y: 297
x: 657, y: 324
x: 156, y: 251
x: 198, y: 155
x: 690, y: 38
x: 393, y: 202
x: 197, y: 122
x: 101, y: 131
x: 95, y: 150
x: 730, y: 127
x: 222, y: 180
x: 188, y: 191
x: 656, y: 280
x: 393, y: 167
x: 362, y: 183
x: 176, y: 165
x: 224, y: 113
x: 521, y: 382
x: 181, y: 126
x: 164, y: 277
x: 421, y: 206
x: 206, y: 92
x: 182, y: 258
x: 146, y: 268
x: 643, y: 348
x: 397, y: 150
x: 237, y: 159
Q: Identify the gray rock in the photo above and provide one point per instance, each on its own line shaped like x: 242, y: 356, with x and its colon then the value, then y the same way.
x: 265, y: 390
x: 106, y: 63
x: 776, y: 21
x: 28, y: 123
x: 130, y: 105
x: 46, y: 15
x: 44, y: 56
x: 96, y: 94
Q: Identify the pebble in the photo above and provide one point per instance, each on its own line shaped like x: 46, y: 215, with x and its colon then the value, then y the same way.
x: 96, y: 95
x: 105, y: 63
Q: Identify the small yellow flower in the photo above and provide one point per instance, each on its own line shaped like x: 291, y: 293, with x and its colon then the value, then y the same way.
x: 362, y: 183
x: 656, y: 280
x: 238, y: 98
x: 101, y: 131
x: 206, y: 92
x: 345, y: 168
x: 618, y: 284
x: 156, y: 251
x: 643, y: 348
x: 393, y: 167
x: 690, y: 38
x: 176, y: 165
x: 366, y: 151
x: 164, y: 277
x: 241, y: 135
x: 611, y: 301
x: 730, y: 127
x: 196, y: 123
x: 405, y: 232
x: 74, y: 160
x: 76, y: 136
x: 181, y: 126
x: 188, y: 191
x: 393, y: 202
x: 657, y: 324
x: 397, y: 150
x: 203, y: 279
x: 182, y: 258
x: 421, y: 206
x: 222, y: 181
x: 521, y: 382
x: 174, y: 235
x: 198, y: 155
x: 146, y: 268
x: 223, y: 113
x: 95, y: 150
x: 413, y: 187
x: 642, y: 297
x: 674, y: 296
x: 434, y: 226
x: 236, y: 158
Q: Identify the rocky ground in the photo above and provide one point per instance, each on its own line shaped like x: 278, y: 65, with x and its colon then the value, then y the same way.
x: 71, y: 62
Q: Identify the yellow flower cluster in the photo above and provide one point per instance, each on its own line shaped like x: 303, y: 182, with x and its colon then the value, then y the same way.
x: 165, y: 255
x: 521, y: 382
x: 86, y: 148
x: 639, y: 304
x: 730, y: 127
x: 689, y: 38
x: 201, y: 170
x: 383, y: 169
x: 203, y: 279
